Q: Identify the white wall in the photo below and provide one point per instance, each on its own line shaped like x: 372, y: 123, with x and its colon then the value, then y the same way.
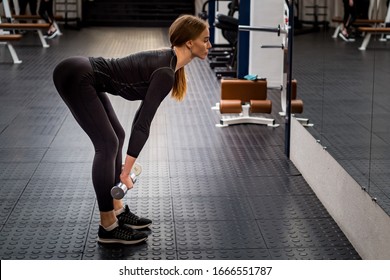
x: 198, y: 6
x: 267, y: 63
x: 221, y: 7
x: 364, y: 223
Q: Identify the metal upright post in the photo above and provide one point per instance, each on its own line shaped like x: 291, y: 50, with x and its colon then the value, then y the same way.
x: 289, y: 77
x: 7, y: 10
x: 243, y: 40
x: 211, y: 14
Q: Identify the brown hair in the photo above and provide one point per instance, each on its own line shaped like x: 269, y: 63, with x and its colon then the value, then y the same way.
x: 183, y: 29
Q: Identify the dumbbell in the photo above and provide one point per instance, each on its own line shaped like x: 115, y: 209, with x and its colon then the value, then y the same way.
x: 120, y: 189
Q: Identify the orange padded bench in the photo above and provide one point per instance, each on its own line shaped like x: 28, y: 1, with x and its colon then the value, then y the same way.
x: 7, y: 38
x: 28, y: 26
x: 296, y: 104
x: 241, y: 99
x: 370, y: 30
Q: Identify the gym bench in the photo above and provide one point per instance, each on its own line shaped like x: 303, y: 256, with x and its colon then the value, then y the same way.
x: 242, y: 101
x: 357, y: 22
x: 368, y: 31
x: 7, y: 38
x: 296, y: 104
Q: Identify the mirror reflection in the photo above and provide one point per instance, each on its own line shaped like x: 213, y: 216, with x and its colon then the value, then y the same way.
x: 341, y: 60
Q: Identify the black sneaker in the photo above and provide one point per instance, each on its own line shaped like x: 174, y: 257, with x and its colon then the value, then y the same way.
x: 51, y: 34
x: 122, y: 234
x: 346, y: 38
x: 133, y: 220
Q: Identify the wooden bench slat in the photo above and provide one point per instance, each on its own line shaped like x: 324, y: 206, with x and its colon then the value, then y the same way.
x: 22, y: 26
x: 36, y: 17
x: 375, y: 29
x: 10, y: 37
x: 359, y: 21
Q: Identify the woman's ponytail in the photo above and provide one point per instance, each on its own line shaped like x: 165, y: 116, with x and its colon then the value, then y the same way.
x: 180, y: 86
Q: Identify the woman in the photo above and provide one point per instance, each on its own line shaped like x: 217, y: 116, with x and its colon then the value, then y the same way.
x: 349, y: 17
x: 148, y: 76
x: 46, y: 12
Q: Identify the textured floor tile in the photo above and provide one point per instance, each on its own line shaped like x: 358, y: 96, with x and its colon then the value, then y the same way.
x: 49, y: 212
x: 216, y: 235
x: 287, y: 207
x: 9, y: 155
x: 60, y: 170
x: 63, y: 188
x: 246, y: 254
x: 69, y: 155
x: 275, y: 185
x: 17, y: 170
x: 66, y: 240
x: 318, y: 253
x: 198, y: 208
x: 302, y: 233
x: 10, y: 191
x: 207, y: 185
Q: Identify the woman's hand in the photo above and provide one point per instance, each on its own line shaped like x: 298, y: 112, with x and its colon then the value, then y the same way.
x: 126, y: 179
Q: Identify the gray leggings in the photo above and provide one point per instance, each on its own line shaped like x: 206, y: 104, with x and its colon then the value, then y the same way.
x: 93, y: 111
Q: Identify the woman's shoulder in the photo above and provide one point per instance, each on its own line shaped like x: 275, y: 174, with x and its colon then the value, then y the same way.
x: 156, y: 52
x: 157, y: 59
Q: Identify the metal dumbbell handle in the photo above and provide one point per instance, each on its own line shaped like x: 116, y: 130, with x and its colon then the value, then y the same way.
x: 120, y: 189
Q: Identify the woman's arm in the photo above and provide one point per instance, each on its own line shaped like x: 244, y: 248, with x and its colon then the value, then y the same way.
x: 159, y: 88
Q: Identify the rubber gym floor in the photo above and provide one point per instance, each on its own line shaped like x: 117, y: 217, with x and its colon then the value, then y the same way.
x: 212, y: 193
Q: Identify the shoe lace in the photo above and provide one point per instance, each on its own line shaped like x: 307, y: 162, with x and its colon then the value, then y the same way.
x: 130, y: 217
x: 123, y: 232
